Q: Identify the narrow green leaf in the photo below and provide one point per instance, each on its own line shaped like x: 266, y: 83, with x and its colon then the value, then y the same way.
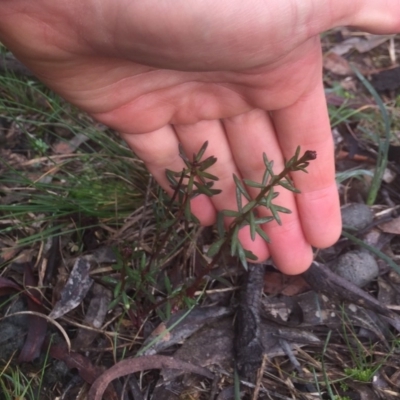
x: 301, y: 167
x: 263, y: 234
x: 207, y: 175
x: 188, y: 212
x: 265, y: 159
x: 294, y: 159
x: 275, y: 214
x: 143, y: 261
x: 285, y: 184
x: 237, y: 394
x: 182, y: 153
x: 131, y: 273
x: 214, y: 248
x: 249, y: 206
x: 117, y: 289
x: 190, y: 186
x: 239, y: 199
x: 267, y: 199
x: 166, y: 224
x: 289, y: 164
x: 235, y: 240
x: 207, y: 163
x: 253, y: 226
x: 220, y: 224
x: 239, y: 184
x: 167, y: 283
x: 263, y: 202
x: 297, y: 152
x: 264, y: 220
x: 250, y: 255
x: 356, y: 173
x: 270, y: 168
x: 242, y: 256
x: 253, y: 184
x: 265, y: 177
x: 126, y: 301
x: 203, y: 189
x: 171, y: 178
x: 114, y: 303
x: 282, y: 209
x: 230, y: 213
x: 201, y: 152
x: 194, y: 219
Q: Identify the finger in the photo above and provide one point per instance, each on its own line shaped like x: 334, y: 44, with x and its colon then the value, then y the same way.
x: 159, y: 150
x: 374, y: 16
x: 192, y: 138
x: 306, y: 124
x: 377, y: 16
x: 250, y: 135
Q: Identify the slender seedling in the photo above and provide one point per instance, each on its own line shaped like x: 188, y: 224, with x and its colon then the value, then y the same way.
x: 194, y: 180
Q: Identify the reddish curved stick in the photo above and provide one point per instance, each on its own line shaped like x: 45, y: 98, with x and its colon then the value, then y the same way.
x: 132, y: 365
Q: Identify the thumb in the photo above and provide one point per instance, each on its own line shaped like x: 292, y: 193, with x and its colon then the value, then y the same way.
x: 377, y: 16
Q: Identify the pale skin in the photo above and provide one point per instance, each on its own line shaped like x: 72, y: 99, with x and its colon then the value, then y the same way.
x: 246, y: 76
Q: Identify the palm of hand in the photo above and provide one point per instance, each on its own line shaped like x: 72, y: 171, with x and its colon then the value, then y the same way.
x: 270, y: 100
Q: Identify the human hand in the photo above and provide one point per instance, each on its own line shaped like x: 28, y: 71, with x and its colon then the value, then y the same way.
x: 244, y: 76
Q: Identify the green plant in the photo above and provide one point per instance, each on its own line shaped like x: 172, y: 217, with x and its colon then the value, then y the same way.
x: 361, y: 374
x: 194, y: 179
x: 138, y: 272
x: 364, y: 367
x: 14, y: 384
x: 383, y: 144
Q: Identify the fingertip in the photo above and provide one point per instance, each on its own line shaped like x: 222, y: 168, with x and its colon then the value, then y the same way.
x: 320, y: 216
x: 329, y: 238
x: 294, y: 263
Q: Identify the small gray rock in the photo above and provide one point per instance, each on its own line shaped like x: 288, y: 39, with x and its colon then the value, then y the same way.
x: 358, y: 267
x: 12, y: 339
x: 57, y: 373
x: 356, y: 216
x: 22, y: 320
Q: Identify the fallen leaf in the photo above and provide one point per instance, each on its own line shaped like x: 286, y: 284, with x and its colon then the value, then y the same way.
x: 37, y: 327
x: 70, y: 146
x: 392, y: 226
x: 75, y: 290
x: 278, y: 283
x: 337, y: 64
x: 362, y: 45
x: 372, y: 41
x: 181, y: 326
x: 95, y: 316
x: 8, y: 286
x: 8, y: 254
x: 281, y: 309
